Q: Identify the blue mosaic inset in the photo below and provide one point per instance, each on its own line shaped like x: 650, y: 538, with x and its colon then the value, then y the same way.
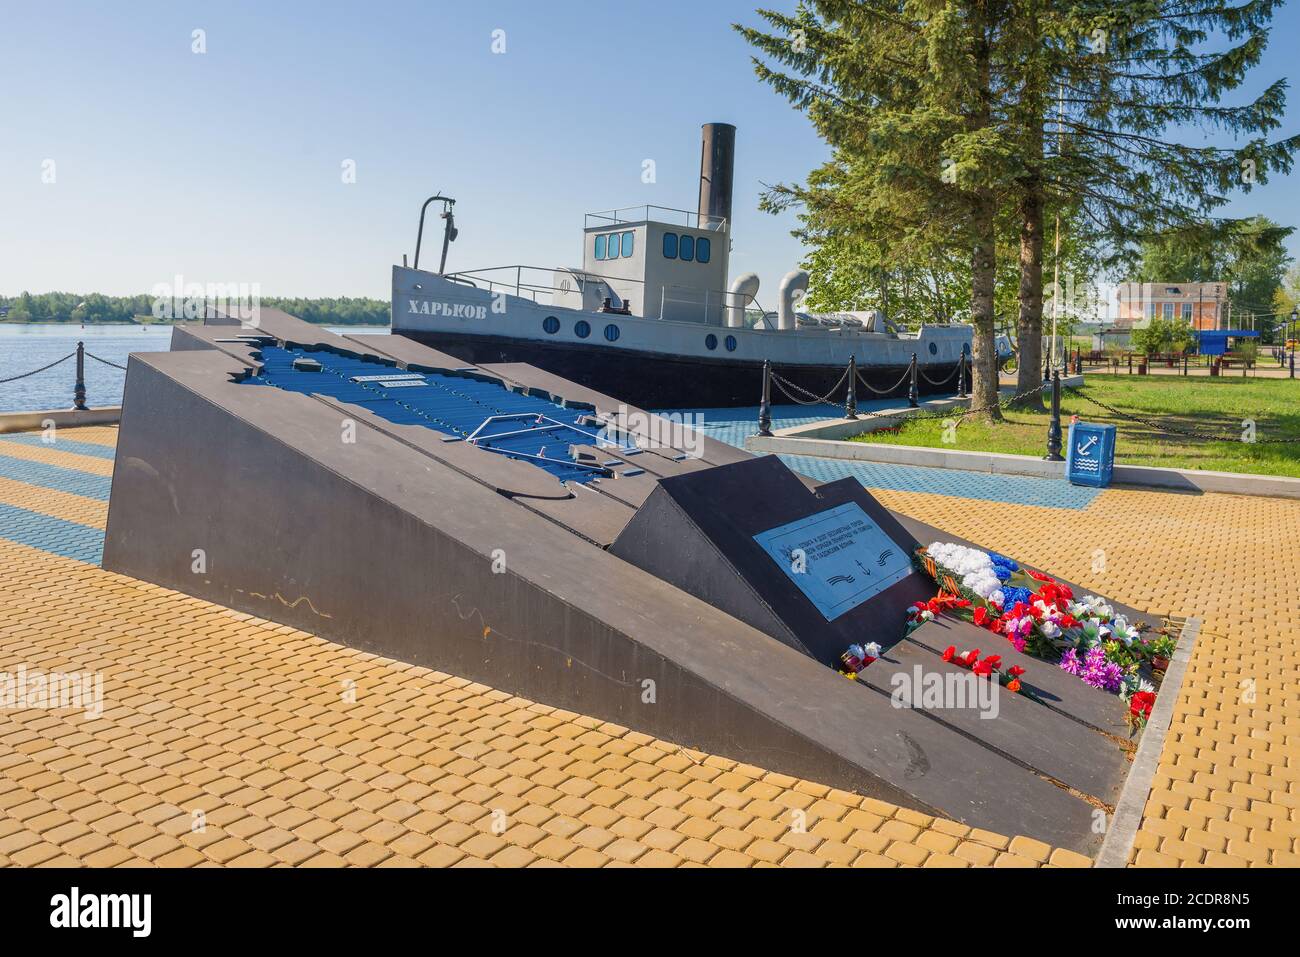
x: 92, y: 449
x: 56, y: 535
x: 466, y: 405
x: 55, y: 477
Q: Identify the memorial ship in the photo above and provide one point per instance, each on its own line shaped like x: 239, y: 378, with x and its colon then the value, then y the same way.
x: 651, y: 318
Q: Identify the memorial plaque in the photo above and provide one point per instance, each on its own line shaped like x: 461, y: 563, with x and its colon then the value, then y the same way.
x: 815, y: 569
x: 838, y: 558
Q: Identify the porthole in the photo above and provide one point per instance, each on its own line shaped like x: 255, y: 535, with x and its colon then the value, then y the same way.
x: 934, y: 349
x: 551, y: 324
x: 731, y: 343
x: 611, y: 332
x: 710, y: 341
x: 582, y: 328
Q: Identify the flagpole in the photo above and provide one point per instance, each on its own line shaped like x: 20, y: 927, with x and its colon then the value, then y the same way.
x: 1056, y: 258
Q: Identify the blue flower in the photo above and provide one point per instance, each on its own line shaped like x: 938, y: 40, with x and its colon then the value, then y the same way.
x: 1012, y: 594
x: 1002, y: 561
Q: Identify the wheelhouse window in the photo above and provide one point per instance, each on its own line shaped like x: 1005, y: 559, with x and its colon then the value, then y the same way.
x: 626, y: 244
x: 703, y: 249
x: 670, y: 245
x: 687, y: 248
x: 600, y: 246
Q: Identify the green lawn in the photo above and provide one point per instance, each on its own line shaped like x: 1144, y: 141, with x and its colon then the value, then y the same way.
x: 1218, y: 406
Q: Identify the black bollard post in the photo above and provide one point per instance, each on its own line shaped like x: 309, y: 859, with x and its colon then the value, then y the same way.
x: 961, y: 373
x: 1184, y: 363
x: 911, y: 388
x: 1047, y: 369
x: 1054, y: 429
x: 79, y: 389
x: 851, y: 402
x: 765, y: 405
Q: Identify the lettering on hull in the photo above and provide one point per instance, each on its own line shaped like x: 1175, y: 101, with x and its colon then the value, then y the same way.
x: 450, y: 310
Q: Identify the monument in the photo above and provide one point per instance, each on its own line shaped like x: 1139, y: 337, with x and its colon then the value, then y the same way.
x: 499, y: 523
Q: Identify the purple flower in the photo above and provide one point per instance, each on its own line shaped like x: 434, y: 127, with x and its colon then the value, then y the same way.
x: 1070, y: 662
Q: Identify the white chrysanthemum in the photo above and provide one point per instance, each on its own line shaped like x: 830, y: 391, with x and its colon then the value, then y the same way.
x: 974, y: 566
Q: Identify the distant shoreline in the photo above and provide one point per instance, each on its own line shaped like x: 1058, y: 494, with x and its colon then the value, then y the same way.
x: 161, y: 322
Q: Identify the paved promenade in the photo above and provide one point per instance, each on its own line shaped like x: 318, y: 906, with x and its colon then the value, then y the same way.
x: 229, y: 740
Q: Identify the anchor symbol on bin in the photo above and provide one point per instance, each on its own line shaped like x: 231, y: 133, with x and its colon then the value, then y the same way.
x: 1083, y: 448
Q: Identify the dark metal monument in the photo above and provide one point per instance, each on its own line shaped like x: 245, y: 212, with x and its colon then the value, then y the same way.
x: 502, y: 524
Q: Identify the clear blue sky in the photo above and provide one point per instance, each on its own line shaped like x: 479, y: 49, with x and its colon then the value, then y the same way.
x: 225, y: 167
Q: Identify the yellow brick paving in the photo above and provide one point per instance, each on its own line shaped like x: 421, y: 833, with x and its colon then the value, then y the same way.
x: 53, y: 455
x: 229, y: 740
x: 73, y: 508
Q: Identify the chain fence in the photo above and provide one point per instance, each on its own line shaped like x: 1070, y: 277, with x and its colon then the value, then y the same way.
x: 91, y: 355
x: 784, y: 384
x: 946, y: 378
x: 1172, y: 429
x: 25, y: 375
x: 890, y: 391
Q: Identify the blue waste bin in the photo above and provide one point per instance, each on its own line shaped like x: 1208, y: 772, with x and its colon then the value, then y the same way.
x: 1090, y: 459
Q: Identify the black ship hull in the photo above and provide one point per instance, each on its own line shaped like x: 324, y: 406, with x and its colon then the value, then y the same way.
x: 654, y: 381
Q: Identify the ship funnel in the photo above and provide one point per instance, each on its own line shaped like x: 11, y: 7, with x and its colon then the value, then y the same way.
x: 793, y: 285
x: 743, y: 290
x: 717, y: 164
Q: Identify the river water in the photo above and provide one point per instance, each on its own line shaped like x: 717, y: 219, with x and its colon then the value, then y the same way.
x: 28, y: 346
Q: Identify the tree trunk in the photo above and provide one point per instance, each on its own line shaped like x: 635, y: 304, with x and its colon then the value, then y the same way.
x: 984, y: 364
x: 1029, y: 328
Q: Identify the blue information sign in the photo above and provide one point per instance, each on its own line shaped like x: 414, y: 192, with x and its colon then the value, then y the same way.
x: 839, y: 558
x: 1090, y: 459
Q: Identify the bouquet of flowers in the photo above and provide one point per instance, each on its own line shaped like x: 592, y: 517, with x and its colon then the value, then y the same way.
x: 858, y: 657
x: 1040, y: 616
x: 990, y: 666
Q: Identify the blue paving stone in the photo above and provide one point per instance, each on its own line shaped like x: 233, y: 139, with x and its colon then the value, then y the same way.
x: 1007, y: 489
x: 733, y: 426
x: 55, y: 477
x: 56, y: 535
x: 63, y: 445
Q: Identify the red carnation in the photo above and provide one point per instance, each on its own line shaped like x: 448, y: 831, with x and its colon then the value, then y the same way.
x: 1039, y: 576
x: 1141, y: 702
x: 1015, y: 671
x: 949, y: 653
x: 981, y: 616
